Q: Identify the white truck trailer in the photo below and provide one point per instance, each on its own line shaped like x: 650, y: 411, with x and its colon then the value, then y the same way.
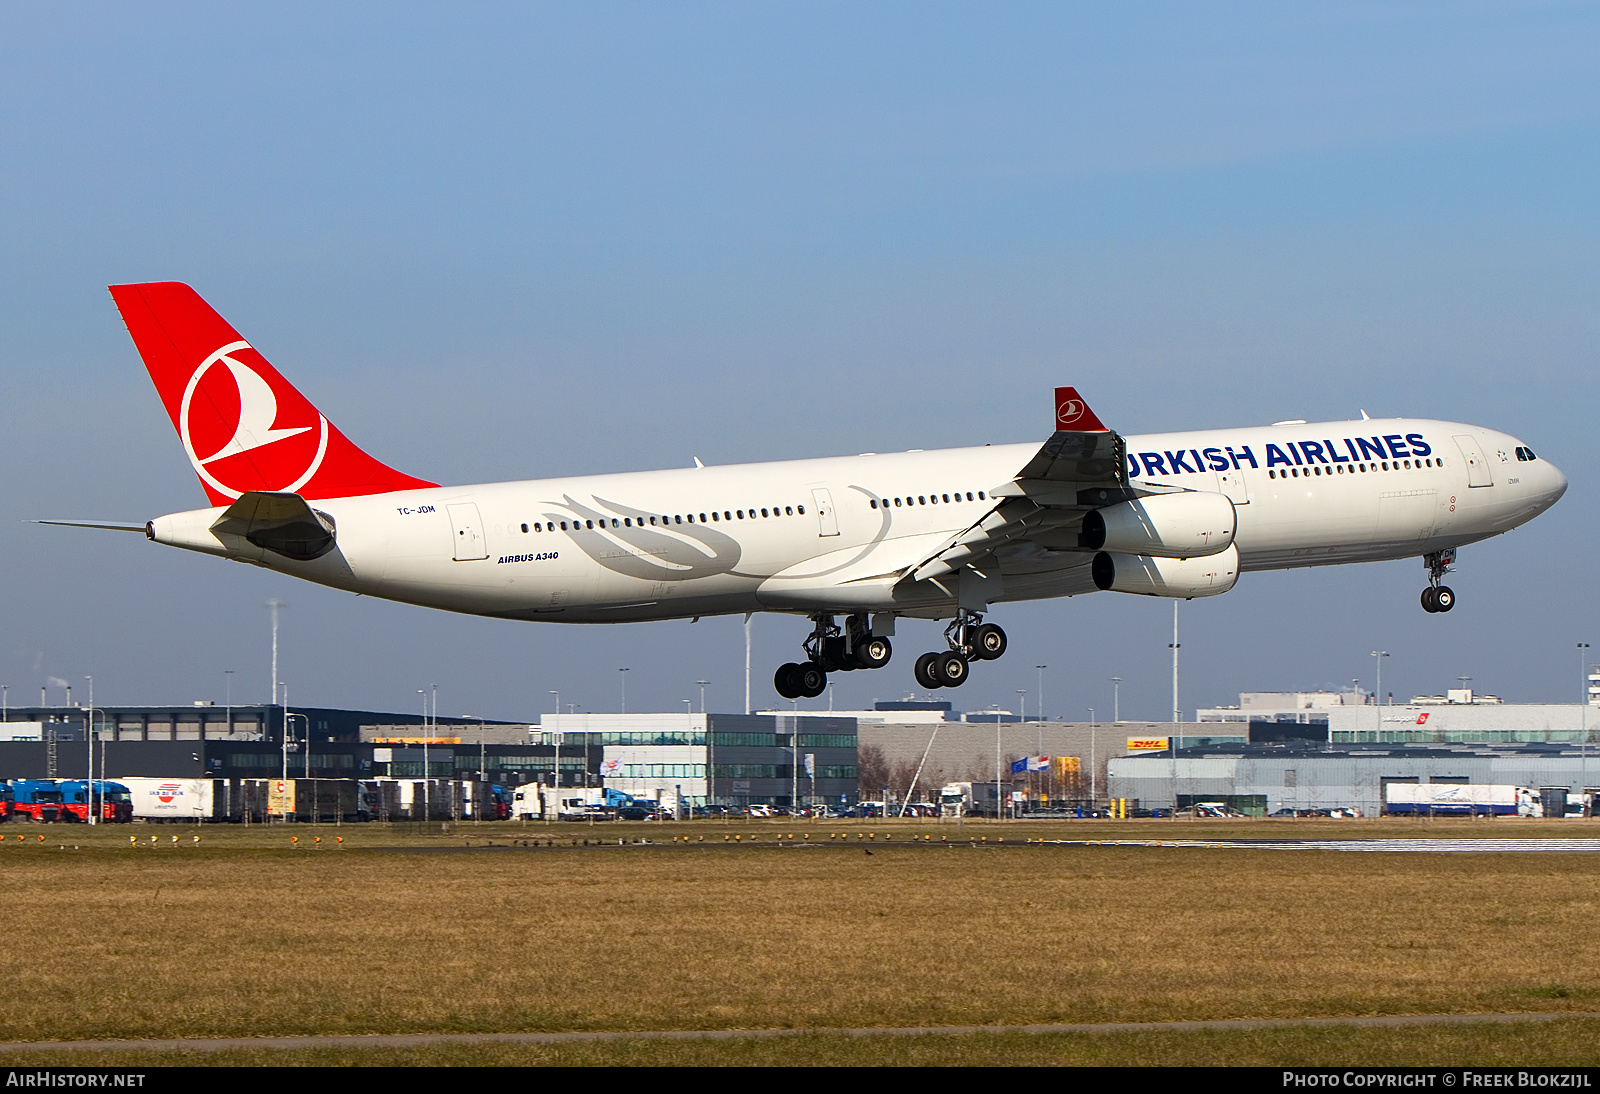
x: 1460, y: 799
x: 173, y: 799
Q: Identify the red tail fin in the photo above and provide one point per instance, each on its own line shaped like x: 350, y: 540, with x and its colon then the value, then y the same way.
x: 1072, y: 413
x: 243, y: 425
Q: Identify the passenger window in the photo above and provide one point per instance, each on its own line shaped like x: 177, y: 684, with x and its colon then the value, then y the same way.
x: 980, y: 495
x: 741, y: 514
x: 788, y: 510
x: 969, y: 495
x: 726, y: 515
x: 589, y: 524
x: 763, y: 512
x: 801, y: 509
x: 1531, y: 456
x: 714, y: 515
x: 947, y: 497
x: 897, y: 503
x: 627, y: 522
x: 679, y: 520
x: 873, y: 502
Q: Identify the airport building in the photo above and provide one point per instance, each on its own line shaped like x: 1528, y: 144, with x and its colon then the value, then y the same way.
x: 732, y: 759
x: 1458, y: 716
x: 1259, y: 779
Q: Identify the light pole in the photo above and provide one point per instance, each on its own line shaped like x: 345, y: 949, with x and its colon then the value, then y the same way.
x: 88, y: 739
x: 1041, y: 669
x: 427, y: 799
x: 1092, y: 771
x: 555, y: 761
x: 1116, y: 699
x: 1174, y: 648
x: 227, y: 675
x: 1377, y: 657
x: 624, y: 673
x: 285, y: 735
x: 5, y: 702
x: 688, y: 705
x: 1583, y: 721
x: 702, y: 684
x: 1022, y: 704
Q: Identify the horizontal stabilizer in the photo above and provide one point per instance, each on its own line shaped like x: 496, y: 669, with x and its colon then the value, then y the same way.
x: 279, y: 522
x: 106, y: 525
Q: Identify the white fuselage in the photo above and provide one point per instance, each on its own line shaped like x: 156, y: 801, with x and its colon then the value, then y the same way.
x: 836, y: 534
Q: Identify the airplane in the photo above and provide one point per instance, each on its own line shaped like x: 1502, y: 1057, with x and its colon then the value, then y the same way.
x: 940, y: 535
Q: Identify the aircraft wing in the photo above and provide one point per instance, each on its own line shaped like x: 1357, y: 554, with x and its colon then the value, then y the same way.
x: 1082, y: 466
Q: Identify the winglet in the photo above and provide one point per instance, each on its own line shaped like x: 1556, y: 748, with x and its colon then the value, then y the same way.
x: 1073, y: 414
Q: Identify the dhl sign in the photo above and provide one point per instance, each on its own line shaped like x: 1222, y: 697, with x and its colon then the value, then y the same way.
x: 1147, y: 744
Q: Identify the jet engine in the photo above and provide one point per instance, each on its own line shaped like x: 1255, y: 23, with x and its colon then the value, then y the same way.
x: 1175, y: 577
x: 1187, y: 525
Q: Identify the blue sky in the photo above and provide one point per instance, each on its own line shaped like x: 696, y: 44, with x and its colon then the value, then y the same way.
x: 505, y: 241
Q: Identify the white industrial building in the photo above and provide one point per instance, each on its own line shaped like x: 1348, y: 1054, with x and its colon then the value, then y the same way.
x: 1262, y: 779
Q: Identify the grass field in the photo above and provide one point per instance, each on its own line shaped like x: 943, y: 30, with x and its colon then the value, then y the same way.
x: 245, y: 934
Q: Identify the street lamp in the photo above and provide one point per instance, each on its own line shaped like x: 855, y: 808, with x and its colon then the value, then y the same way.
x: 1092, y: 772
x: 702, y: 684
x: 1378, y: 656
x: 1583, y: 721
x: 88, y: 739
x: 1041, y: 669
x: 1116, y: 699
x: 624, y: 690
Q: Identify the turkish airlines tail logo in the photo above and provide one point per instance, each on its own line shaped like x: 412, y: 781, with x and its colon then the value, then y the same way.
x: 1073, y: 414
x: 243, y: 426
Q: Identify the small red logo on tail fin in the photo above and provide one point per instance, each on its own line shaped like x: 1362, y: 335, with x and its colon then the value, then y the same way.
x: 1072, y: 413
x: 243, y: 426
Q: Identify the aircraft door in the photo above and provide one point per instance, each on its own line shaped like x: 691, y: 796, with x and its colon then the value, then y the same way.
x: 1231, y: 482
x: 1478, y: 473
x: 827, y: 521
x: 467, y: 526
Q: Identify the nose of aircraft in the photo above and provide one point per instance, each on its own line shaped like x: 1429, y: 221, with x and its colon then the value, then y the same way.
x: 1556, y: 486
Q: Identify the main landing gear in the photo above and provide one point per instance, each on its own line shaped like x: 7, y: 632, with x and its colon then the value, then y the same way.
x: 970, y: 640
x: 830, y: 649
x: 1437, y: 597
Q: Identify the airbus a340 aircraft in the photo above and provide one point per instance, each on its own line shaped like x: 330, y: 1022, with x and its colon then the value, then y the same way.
x: 937, y: 535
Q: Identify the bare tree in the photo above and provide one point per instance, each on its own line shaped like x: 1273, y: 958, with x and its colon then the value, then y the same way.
x: 872, y: 771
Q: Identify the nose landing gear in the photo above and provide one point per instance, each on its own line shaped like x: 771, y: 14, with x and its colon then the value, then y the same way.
x: 1437, y: 597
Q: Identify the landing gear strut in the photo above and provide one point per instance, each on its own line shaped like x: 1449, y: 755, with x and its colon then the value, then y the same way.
x: 970, y: 639
x: 831, y: 649
x: 1437, y: 597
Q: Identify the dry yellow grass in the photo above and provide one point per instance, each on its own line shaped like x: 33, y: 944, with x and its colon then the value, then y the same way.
x: 243, y: 936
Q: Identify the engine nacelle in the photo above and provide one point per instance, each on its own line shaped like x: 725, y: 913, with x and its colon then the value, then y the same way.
x: 1187, y: 525
x: 1174, y: 577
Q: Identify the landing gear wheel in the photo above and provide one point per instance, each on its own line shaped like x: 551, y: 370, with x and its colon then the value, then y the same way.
x: 950, y: 669
x: 809, y: 679
x: 873, y: 653
x: 1429, y: 602
x: 834, y: 659
x: 988, y: 642
x: 783, y: 681
x: 923, y: 671
x: 1443, y: 598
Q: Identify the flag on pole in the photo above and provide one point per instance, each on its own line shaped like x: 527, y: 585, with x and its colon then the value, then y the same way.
x: 1019, y: 766
x: 1038, y: 763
